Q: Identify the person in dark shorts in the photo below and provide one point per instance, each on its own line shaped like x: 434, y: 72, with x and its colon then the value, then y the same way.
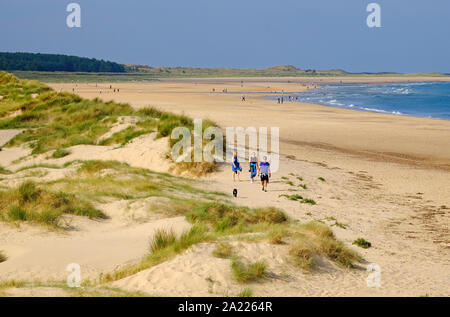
x: 264, y: 172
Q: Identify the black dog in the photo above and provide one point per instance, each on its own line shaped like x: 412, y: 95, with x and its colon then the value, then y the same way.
x: 235, y: 192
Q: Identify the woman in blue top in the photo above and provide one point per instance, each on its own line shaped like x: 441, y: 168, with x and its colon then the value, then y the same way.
x: 264, y: 171
x: 236, y: 167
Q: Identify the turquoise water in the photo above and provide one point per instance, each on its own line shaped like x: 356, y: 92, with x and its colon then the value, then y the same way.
x: 420, y: 99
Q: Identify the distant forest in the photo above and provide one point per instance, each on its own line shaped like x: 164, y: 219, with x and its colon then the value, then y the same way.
x: 53, y: 63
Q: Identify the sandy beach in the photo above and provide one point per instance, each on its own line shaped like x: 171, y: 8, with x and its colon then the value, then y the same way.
x: 389, y: 176
x: 383, y: 177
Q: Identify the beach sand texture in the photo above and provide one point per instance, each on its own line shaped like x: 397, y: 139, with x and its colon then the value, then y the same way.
x: 387, y: 179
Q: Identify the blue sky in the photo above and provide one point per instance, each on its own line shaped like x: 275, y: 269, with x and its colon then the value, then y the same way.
x: 319, y: 34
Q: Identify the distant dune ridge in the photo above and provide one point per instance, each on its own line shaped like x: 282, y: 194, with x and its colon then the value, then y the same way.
x: 57, y: 67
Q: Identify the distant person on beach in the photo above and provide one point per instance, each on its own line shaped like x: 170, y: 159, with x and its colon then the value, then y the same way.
x: 253, y: 166
x: 264, y: 172
x: 243, y: 98
x: 236, y: 167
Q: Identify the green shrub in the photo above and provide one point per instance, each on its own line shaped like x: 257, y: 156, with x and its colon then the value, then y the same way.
x: 361, y: 242
x: 308, y: 201
x: 16, y: 213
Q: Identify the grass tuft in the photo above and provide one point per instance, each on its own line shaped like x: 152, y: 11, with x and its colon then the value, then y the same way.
x: 224, y: 217
x: 223, y: 250
x: 60, y: 152
x: 246, y: 292
x: 162, y: 239
x: 315, y: 238
x: 252, y: 272
x: 303, y: 255
x: 30, y: 203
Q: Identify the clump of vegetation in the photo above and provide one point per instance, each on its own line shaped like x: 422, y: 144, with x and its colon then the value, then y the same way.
x: 294, y: 197
x: 290, y: 183
x: 304, y: 186
x: 126, y: 135
x: 28, y: 202
x: 11, y: 284
x: 303, y: 254
x: 223, y: 250
x: 4, y: 171
x: 276, y: 235
x: 248, y: 273
x: 2, y: 257
x: 314, y: 239
x: 308, y: 201
x: 300, y: 198
x: 340, y: 225
x: 284, y: 178
x: 321, y: 179
x: 224, y: 217
x: 300, y: 178
x: 162, y: 239
x: 361, y: 242
x: 60, y: 152
x: 246, y: 292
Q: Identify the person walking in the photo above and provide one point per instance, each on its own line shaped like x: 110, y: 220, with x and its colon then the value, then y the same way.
x: 236, y: 167
x: 264, y: 172
x: 253, y: 166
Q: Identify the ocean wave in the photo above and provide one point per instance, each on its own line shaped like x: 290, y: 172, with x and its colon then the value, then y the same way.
x: 375, y: 110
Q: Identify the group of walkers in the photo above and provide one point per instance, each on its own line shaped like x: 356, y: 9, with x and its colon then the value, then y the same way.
x: 290, y: 98
x: 255, y: 167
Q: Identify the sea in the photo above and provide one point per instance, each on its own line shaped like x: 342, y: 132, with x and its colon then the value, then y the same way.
x: 419, y: 99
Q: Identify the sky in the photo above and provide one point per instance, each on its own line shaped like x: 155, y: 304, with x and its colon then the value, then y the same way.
x: 322, y: 34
